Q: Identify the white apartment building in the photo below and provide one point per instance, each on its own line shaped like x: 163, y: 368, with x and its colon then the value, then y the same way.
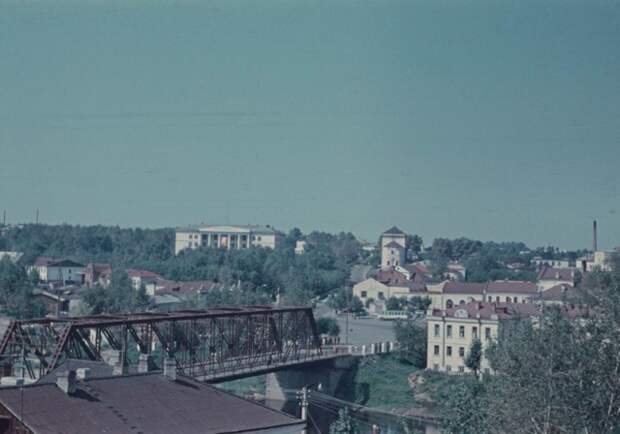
x: 449, y: 294
x: 227, y: 237
x: 59, y: 271
x: 452, y: 331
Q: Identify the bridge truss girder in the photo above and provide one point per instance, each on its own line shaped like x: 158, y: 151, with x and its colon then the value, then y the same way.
x: 203, y: 342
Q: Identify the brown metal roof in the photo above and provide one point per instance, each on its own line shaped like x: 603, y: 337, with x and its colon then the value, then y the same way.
x: 144, y: 403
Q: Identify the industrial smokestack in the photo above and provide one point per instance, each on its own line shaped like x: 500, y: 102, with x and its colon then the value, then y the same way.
x: 594, y: 240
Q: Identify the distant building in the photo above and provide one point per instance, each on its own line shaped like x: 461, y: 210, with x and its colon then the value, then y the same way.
x: 138, y: 403
x: 185, y: 289
x: 148, y: 279
x: 549, y: 277
x: 599, y: 260
x: 97, y: 274
x: 393, y: 248
x: 539, y: 262
x: 12, y: 256
x: 227, y: 237
x: 449, y: 294
x: 452, y: 331
x: 57, y: 271
x: 300, y: 247
x: 386, y: 284
x: 559, y: 294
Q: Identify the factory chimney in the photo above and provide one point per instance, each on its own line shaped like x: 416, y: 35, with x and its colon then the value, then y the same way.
x: 594, y: 240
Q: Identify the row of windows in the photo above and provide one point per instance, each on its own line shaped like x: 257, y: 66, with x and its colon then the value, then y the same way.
x: 380, y: 295
x: 474, y: 331
x: 436, y: 351
x: 450, y: 303
x: 461, y: 368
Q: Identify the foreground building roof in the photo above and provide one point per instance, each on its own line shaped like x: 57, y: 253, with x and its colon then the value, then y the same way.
x: 142, y: 403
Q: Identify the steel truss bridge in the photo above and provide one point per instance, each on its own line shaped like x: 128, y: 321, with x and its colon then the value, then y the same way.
x: 219, y: 343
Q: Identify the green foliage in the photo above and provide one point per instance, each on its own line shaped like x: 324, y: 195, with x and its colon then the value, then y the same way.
x: 343, y: 300
x: 344, y: 424
x: 557, y: 376
x: 16, y: 291
x: 325, y: 266
x: 382, y: 382
x: 119, y: 297
x: 328, y: 326
x: 418, y: 303
x: 394, y: 303
x: 474, y: 357
x: 464, y: 406
x: 412, y: 341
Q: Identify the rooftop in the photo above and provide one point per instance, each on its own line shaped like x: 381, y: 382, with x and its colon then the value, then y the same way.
x: 489, y: 311
x: 140, y: 403
x: 498, y: 286
x: 550, y: 273
x: 257, y: 229
x: 46, y: 261
x: 393, y: 231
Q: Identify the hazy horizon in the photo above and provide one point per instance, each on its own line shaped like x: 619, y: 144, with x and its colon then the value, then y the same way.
x: 494, y: 120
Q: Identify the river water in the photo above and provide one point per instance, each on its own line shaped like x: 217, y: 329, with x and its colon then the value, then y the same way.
x: 322, y: 413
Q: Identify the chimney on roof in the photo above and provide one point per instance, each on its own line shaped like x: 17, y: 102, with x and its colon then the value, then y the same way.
x: 594, y: 238
x: 170, y: 368
x: 82, y: 373
x: 66, y: 382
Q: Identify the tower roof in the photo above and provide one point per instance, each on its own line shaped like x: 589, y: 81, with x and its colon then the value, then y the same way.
x: 393, y: 231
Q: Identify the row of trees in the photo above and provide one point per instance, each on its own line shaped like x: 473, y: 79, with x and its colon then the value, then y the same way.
x: 256, y: 272
x: 560, y: 376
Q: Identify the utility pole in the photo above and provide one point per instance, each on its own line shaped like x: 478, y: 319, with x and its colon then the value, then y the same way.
x: 303, y: 403
x: 4, y: 218
x: 37, y: 218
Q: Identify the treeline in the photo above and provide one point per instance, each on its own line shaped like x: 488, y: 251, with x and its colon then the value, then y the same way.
x: 558, y: 376
x: 486, y: 261
x: 324, y: 267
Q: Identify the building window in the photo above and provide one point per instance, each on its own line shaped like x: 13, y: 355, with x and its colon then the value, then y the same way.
x: 497, y: 299
x: 508, y: 300
x: 364, y: 294
x: 449, y: 331
x: 436, y: 367
x: 461, y: 369
x: 436, y: 330
x: 487, y: 333
x: 436, y: 350
x: 461, y: 331
x: 448, y: 368
x: 381, y: 296
x: 448, y: 351
x: 462, y: 351
x: 461, y: 301
x: 487, y: 371
x: 474, y: 332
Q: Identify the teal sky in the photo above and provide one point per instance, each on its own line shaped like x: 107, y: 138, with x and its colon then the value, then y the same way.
x: 496, y: 120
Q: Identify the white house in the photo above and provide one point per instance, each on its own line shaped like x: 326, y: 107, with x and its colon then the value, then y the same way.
x: 57, y: 271
x: 227, y: 237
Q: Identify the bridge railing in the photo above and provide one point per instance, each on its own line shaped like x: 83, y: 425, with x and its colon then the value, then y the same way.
x: 361, y: 350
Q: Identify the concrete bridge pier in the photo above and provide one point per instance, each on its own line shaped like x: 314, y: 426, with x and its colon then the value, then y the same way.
x: 329, y: 373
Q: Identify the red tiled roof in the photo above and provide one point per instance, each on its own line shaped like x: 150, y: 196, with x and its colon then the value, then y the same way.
x: 391, y: 277
x: 501, y: 286
x: 512, y: 286
x: 550, y: 273
x: 487, y: 310
x: 143, y: 274
x: 464, y: 288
